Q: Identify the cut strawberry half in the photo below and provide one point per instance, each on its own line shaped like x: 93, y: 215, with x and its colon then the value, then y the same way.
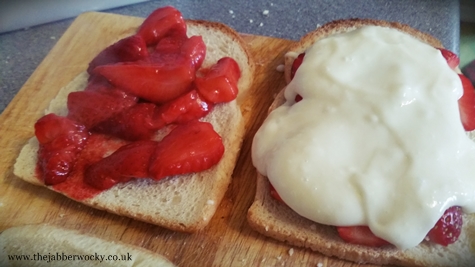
x: 451, y: 58
x: 99, y: 84
x: 467, y: 104
x: 194, y: 48
x: 61, y: 140
x: 360, y: 235
x: 169, y: 45
x: 172, y: 49
x: 219, y: 83
x: 448, y: 228
x: 128, y: 162
x: 129, y: 49
x: 154, y: 83
x: 135, y: 123
x: 190, y: 147
x: 91, y: 107
x: 187, y: 107
x: 296, y: 64
x: 162, y: 22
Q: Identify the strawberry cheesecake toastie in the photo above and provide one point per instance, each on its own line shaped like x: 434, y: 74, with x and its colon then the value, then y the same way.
x: 366, y: 155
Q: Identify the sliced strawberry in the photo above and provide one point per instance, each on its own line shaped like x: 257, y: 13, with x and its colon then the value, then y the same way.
x: 194, y: 48
x: 467, y: 104
x: 360, y: 235
x: 91, y: 107
x: 170, y: 45
x: 452, y: 58
x: 274, y: 194
x: 190, y: 147
x: 171, y: 49
x: 154, y: 83
x: 99, y: 84
x: 128, y: 162
x: 185, y: 108
x: 298, y: 98
x: 135, y: 123
x: 129, y: 49
x: 448, y: 228
x: 165, y: 21
x: 219, y: 83
x: 296, y: 64
x: 61, y: 140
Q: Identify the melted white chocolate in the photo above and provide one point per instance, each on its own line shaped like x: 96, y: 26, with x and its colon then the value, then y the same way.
x: 377, y: 139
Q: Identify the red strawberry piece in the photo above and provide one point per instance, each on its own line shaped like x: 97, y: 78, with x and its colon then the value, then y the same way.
x: 185, y: 108
x: 190, y: 147
x: 129, y: 49
x: 152, y: 82
x: 360, y: 235
x: 135, y: 123
x: 195, y: 49
x: 165, y: 21
x: 296, y: 64
x: 452, y: 58
x: 171, y: 49
x: 298, y: 98
x: 467, y: 104
x: 170, y: 45
x: 98, y: 83
x: 448, y: 228
x: 92, y: 107
x: 274, y: 194
x: 61, y: 140
x: 128, y: 162
x: 219, y: 83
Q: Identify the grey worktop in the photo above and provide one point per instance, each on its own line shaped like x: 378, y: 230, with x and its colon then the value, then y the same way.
x: 22, y: 51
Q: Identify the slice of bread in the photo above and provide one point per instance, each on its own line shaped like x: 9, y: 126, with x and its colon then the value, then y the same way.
x: 185, y: 202
x: 48, y: 245
x: 274, y: 219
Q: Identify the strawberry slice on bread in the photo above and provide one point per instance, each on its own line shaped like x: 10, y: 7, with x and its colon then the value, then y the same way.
x: 153, y: 132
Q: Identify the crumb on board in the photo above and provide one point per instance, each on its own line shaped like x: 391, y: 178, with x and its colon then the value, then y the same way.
x: 265, y: 12
x: 291, y: 252
x: 280, y: 68
x: 319, y: 264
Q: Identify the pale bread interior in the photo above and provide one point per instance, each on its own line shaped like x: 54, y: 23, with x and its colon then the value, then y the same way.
x: 186, y: 202
x: 271, y: 218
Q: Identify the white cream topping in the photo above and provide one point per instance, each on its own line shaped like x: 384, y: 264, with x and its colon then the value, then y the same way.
x: 377, y: 139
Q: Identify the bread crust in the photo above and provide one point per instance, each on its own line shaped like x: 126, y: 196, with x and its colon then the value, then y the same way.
x: 274, y: 219
x: 185, y: 202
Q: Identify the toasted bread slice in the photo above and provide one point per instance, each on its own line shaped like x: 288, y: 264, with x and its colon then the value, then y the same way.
x: 274, y: 219
x: 185, y: 202
x: 48, y: 245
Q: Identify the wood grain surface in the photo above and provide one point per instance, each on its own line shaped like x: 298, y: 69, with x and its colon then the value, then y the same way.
x: 226, y: 241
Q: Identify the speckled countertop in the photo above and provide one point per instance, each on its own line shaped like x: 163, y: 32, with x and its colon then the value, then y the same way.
x: 23, y: 50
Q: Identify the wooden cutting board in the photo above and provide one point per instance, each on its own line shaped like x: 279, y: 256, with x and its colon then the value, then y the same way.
x: 226, y: 241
